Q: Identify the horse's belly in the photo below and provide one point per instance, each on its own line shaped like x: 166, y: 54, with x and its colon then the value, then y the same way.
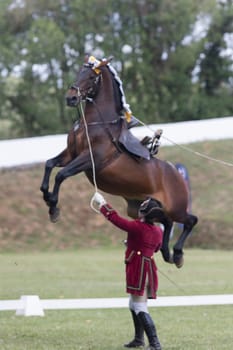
x: 137, y: 180
x: 127, y: 178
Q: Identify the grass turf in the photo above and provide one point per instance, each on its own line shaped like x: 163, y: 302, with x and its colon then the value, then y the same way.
x: 180, y: 328
x: 100, y: 273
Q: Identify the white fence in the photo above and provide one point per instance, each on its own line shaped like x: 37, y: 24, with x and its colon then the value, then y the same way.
x: 31, y: 305
x: 34, y: 150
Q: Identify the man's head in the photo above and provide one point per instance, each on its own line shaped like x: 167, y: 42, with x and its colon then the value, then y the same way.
x: 149, y: 210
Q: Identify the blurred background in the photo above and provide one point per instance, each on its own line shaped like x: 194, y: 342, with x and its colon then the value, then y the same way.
x: 175, y: 58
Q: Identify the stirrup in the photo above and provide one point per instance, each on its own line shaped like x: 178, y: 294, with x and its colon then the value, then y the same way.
x: 155, y: 143
x: 152, y: 143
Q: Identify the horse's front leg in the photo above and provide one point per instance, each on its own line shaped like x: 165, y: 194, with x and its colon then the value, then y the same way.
x: 49, y: 165
x: 191, y: 220
x: 60, y: 160
x: 78, y: 165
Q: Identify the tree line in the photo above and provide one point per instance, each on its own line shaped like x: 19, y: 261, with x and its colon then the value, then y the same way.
x: 172, y: 57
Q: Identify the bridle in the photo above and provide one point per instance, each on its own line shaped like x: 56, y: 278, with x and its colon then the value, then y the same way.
x: 91, y: 91
x: 87, y: 95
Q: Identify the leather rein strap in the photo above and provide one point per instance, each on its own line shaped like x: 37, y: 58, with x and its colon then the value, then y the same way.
x: 105, y: 124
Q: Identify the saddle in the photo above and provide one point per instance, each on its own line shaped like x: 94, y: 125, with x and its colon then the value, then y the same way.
x: 133, y: 145
x: 146, y: 148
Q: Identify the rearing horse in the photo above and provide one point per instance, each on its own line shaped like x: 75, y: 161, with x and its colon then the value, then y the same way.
x: 96, y: 139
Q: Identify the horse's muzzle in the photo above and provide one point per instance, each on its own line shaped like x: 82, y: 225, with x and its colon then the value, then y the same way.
x: 72, y: 101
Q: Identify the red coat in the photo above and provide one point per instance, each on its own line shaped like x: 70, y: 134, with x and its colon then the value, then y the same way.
x: 142, y: 241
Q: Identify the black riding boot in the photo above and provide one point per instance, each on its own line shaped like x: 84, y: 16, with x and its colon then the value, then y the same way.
x: 139, y: 333
x: 149, y: 328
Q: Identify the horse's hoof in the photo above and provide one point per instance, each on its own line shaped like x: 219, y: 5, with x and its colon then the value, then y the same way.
x: 54, y: 214
x: 178, y: 260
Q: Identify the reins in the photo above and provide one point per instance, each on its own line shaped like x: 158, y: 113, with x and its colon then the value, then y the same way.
x: 90, y: 146
x: 104, y: 123
x: 92, y: 158
x: 188, y: 149
x: 111, y: 122
x: 172, y: 281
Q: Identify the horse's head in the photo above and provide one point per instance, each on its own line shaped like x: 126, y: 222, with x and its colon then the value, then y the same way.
x: 87, y: 82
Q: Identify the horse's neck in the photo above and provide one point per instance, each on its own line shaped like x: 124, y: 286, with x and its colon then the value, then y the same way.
x: 105, y: 98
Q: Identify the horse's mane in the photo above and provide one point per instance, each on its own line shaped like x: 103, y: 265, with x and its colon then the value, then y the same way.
x: 117, y: 94
x: 119, y: 97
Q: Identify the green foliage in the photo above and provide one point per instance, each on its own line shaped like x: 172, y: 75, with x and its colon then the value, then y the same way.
x: 216, y: 67
x: 45, y: 41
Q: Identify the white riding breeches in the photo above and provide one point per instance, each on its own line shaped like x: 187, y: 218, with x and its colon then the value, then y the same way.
x: 138, y: 303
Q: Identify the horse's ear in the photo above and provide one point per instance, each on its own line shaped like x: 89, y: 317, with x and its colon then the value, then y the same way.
x: 86, y: 58
x: 105, y: 61
x: 110, y: 58
x: 96, y: 64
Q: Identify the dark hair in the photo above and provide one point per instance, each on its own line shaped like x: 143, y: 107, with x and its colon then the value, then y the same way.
x: 151, y: 210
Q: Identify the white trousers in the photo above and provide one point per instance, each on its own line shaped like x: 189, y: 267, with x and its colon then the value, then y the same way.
x: 138, y: 303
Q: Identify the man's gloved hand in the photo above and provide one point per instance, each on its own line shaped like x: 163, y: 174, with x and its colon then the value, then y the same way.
x: 99, y: 199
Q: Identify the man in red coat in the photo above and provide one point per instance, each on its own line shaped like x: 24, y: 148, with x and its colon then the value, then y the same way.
x: 143, y: 239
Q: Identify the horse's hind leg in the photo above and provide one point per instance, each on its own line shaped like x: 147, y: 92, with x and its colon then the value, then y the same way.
x: 167, y: 223
x: 162, y: 217
x: 132, y: 211
x: 189, y: 223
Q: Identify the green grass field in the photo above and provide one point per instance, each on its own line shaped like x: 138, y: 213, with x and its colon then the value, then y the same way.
x: 89, y: 273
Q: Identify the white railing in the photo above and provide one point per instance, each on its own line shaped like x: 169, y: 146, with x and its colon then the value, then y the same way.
x: 31, y: 305
x: 29, y: 151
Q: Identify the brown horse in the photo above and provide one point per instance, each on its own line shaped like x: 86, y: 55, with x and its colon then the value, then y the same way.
x: 93, y: 147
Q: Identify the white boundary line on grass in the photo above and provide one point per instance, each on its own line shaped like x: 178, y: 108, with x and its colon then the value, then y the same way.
x: 108, y: 303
